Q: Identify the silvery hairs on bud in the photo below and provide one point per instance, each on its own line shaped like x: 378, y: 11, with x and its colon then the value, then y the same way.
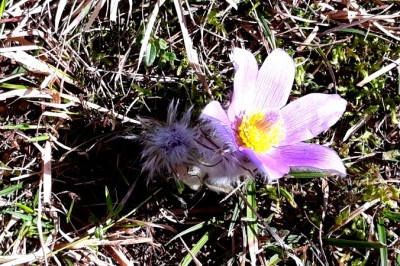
x: 219, y: 158
x: 169, y: 147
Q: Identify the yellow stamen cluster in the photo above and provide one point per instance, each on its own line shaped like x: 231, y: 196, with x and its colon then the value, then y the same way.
x: 258, y: 133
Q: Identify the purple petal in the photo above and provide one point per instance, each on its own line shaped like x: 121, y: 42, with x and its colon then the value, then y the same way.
x: 246, y: 70
x: 310, y: 157
x: 213, y: 111
x: 267, y: 164
x: 220, y: 123
x: 274, y: 81
x: 310, y: 115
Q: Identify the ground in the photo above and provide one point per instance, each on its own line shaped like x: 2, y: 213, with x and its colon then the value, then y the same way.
x: 76, y: 78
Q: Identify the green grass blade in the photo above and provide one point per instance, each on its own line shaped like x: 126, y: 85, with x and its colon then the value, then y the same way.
x: 251, y: 225
x: 308, y: 175
x: 188, y: 258
x: 3, y: 4
x: 68, y: 261
x: 382, y: 238
x: 351, y: 243
x: 274, y: 260
x: 262, y: 19
x: 189, y: 230
x: 398, y: 259
x: 288, y: 197
x: 71, y: 207
x: 235, y: 216
x: 364, y: 33
x: 109, y: 202
x: 24, y: 207
x: 39, y: 138
x: 21, y: 127
x: 133, y: 211
x: 29, y: 218
x: 394, y: 216
x: 14, y: 86
x: 10, y: 189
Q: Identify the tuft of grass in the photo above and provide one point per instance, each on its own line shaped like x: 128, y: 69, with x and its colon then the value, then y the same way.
x: 74, y: 76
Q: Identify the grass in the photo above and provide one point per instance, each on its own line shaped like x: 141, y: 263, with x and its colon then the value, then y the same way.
x: 75, y: 75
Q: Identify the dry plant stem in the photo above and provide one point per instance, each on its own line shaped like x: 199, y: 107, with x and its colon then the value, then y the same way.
x: 242, y: 257
x: 192, y: 56
x: 196, y: 261
x: 354, y: 214
x: 328, y: 65
x: 45, y: 183
x: 356, y: 126
x: 22, y: 259
x: 346, y: 40
x: 120, y: 257
x: 325, y: 192
x: 99, y: 108
x: 46, y: 174
x: 39, y: 223
x: 379, y: 72
x: 344, y: 26
x: 82, y: 243
x: 35, y: 65
x: 9, y: 225
x: 96, y: 12
x: 25, y: 93
x: 261, y: 220
x: 355, y: 6
x: 44, y: 250
x: 309, y: 39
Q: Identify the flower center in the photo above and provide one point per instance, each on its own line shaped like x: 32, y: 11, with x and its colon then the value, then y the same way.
x: 260, y: 132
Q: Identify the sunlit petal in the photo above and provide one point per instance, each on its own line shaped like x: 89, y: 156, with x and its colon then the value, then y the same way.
x: 246, y: 70
x: 274, y: 81
x: 311, y: 157
x: 310, y: 115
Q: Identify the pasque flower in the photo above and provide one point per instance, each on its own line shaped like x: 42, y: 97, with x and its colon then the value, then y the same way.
x: 189, y: 153
x: 271, y: 134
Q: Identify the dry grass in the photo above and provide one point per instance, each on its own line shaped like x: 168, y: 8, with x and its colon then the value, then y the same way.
x: 74, y: 76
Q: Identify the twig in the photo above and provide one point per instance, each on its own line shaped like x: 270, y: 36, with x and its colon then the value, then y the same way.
x: 379, y: 72
x: 46, y: 174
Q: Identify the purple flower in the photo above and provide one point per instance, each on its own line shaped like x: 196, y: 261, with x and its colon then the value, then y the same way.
x: 268, y: 132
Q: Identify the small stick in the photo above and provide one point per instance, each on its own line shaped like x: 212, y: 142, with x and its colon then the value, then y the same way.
x: 380, y: 72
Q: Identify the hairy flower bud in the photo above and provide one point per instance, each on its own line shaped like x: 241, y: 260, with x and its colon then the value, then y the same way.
x: 169, y: 148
